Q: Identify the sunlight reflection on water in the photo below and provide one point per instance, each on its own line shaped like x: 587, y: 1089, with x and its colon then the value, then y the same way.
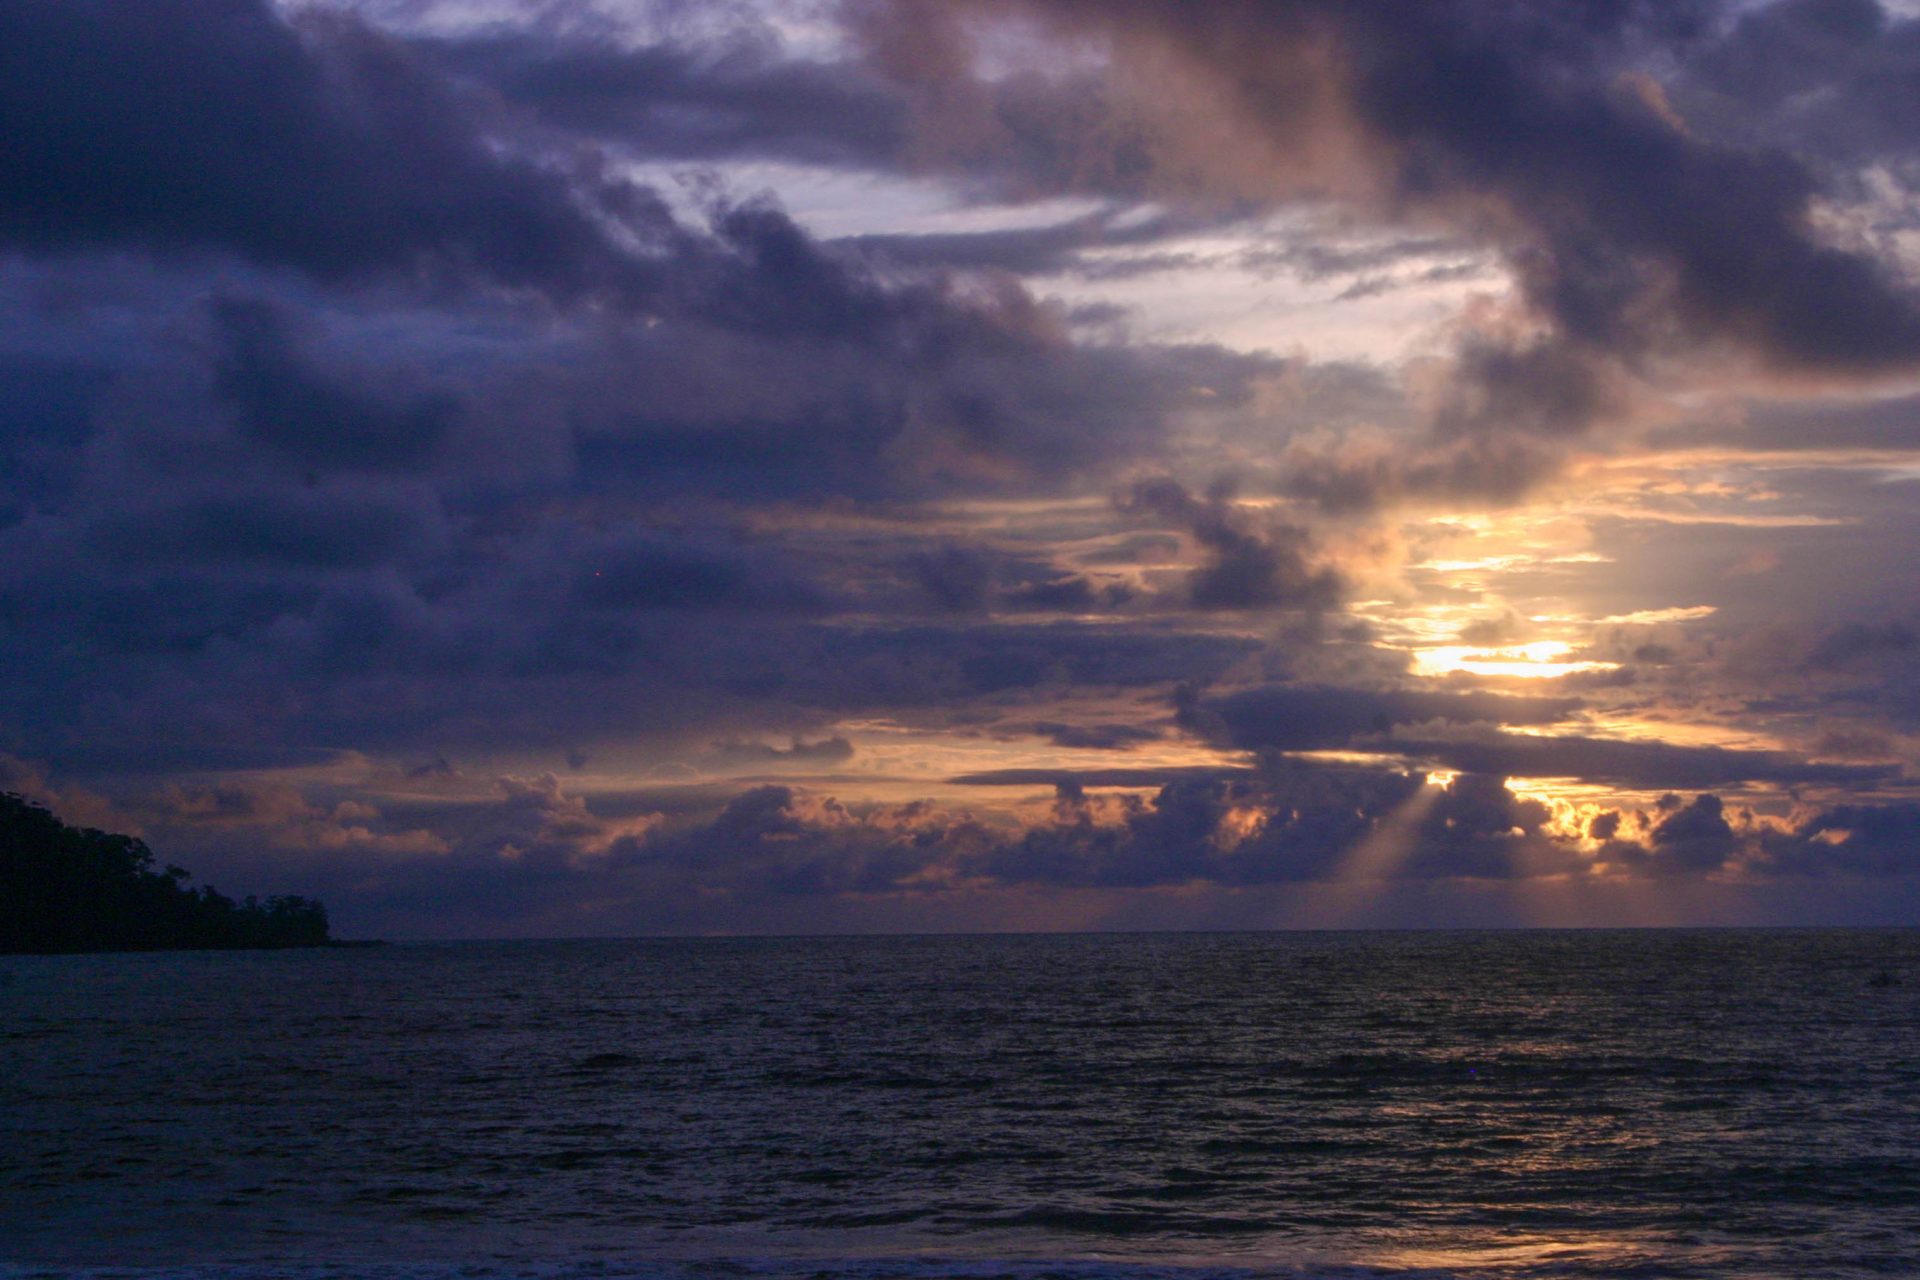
x: 1714, y: 1104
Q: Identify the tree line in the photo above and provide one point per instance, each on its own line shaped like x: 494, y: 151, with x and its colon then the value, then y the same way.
x: 65, y: 888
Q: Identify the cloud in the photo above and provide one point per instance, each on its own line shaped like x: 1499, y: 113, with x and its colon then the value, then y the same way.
x: 1695, y: 835
x: 960, y: 578
x: 1849, y: 839
x: 359, y: 514
x: 359, y: 159
x: 316, y: 143
x: 1369, y: 473
x: 522, y: 853
x: 1247, y: 567
x: 262, y: 528
x: 955, y: 578
x: 1280, y: 822
x: 1453, y: 731
x: 932, y: 666
x: 1854, y: 643
x: 1628, y: 763
x: 774, y: 840
x: 830, y: 750
x: 360, y: 408
x: 328, y: 417
x: 74, y: 805
x: 635, y: 569
x: 1080, y: 779
x: 1640, y: 240
x: 1097, y: 737
x: 1832, y: 77
x: 1618, y: 216
x: 280, y: 818
x: 1305, y: 717
x: 1058, y: 248
x: 740, y: 100
x: 1539, y: 156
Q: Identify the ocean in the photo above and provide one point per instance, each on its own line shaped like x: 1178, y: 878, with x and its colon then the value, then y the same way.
x: 1520, y: 1104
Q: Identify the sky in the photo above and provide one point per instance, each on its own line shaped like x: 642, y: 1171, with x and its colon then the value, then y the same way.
x: 585, y: 467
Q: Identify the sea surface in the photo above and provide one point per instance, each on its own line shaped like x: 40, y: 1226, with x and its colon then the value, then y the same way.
x: 1571, y: 1104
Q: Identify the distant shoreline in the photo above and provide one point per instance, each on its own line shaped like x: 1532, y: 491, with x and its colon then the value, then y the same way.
x: 68, y: 890
x: 331, y: 944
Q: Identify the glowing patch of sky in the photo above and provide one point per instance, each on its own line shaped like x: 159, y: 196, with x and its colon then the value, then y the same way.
x: 1221, y: 300
x: 1537, y: 660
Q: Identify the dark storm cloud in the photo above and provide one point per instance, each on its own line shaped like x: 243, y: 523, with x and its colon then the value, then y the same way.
x: 1836, y: 77
x: 1069, y: 593
x: 741, y: 100
x: 956, y: 578
x: 1548, y: 390
x: 1857, y: 643
x: 1606, y: 206
x: 326, y: 146
x: 649, y: 571
x: 315, y: 143
x: 353, y: 401
x: 771, y: 840
x: 400, y: 510
x: 1019, y: 137
x: 747, y: 98
x: 978, y: 375
x: 1541, y: 132
x: 1248, y: 566
x: 1183, y: 834
x: 1625, y: 208
x: 1878, y: 423
x: 293, y: 531
x: 1286, y: 821
x: 1865, y: 671
x: 1478, y: 827
x: 874, y: 387
x: 1025, y: 250
x: 524, y: 855
x: 301, y: 618
x: 1056, y: 248
x: 46, y: 408
x: 1098, y: 737
x: 1080, y: 779
x: 1622, y: 207
x: 1630, y: 763
x: 1281, y: 822
x: 1690, y: 837
x: 854, y: 667
x: 1311, y: 819
x: 1502, y: 421
x: 1857, y: 839
x: 314, y: 414
x: 1317, y: 717
x: 1496, y: 468
x: 1696, y: 835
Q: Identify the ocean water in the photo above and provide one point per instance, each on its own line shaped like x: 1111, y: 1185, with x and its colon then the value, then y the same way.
x: 1671, y: 1104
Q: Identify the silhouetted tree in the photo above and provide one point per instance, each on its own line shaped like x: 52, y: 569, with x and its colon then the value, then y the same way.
x: 68, y: 888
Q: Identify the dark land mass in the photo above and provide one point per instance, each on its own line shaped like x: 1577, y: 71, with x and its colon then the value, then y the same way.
x: 65, y: 889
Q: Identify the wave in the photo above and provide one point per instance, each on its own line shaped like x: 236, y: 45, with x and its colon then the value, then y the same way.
x: 811, y: 1268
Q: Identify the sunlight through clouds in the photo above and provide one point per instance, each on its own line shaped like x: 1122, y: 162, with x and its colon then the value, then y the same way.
x: 749, y: 458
